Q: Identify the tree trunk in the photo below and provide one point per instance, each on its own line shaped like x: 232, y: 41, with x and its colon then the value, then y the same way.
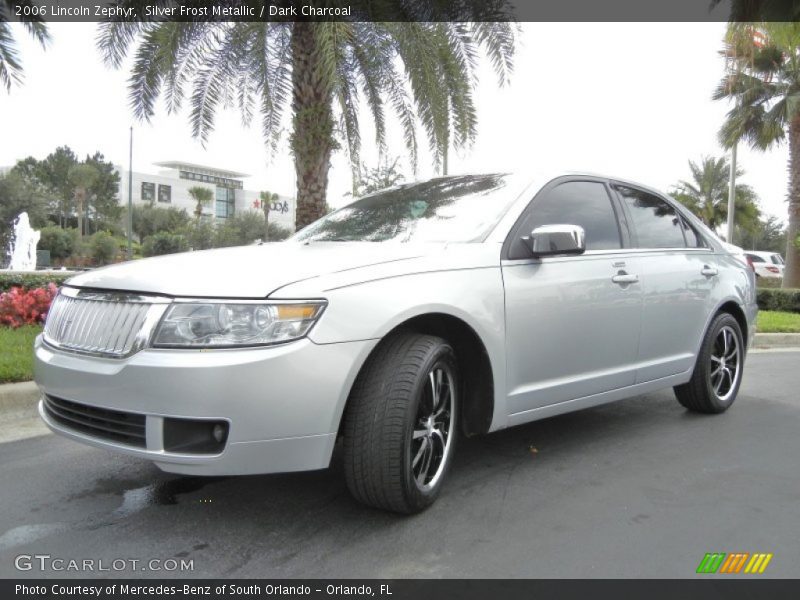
x: 791, y: 275
x: 312, y: 135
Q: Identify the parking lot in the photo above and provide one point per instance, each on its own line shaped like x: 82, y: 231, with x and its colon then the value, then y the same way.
x: 639, y: 488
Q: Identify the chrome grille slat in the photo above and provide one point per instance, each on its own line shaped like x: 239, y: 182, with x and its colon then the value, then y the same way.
x: 103, y: 331
x: 108, y: 324
x: 104, y: 315
x: 91, y: 330
x: 86, y: 325
x: 63, y: 310
x: 119, y: 341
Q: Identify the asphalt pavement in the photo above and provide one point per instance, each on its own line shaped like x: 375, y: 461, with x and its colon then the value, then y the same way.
x: 638, y: 488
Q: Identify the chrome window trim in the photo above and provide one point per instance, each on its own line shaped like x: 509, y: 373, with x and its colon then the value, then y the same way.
x: 602, y: 253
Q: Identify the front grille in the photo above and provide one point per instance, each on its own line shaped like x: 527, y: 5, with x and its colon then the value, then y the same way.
x: 112, y: 425
x: 111, y: 324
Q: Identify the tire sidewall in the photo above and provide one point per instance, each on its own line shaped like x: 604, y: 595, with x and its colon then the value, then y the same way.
x: 421, y: 498
x: 724, y: 320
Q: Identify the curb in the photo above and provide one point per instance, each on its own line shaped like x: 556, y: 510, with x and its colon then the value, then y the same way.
x: 19, y: 399
x: 776, y: 340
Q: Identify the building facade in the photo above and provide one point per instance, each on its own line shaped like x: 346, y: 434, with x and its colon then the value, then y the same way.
x: 170, y: 187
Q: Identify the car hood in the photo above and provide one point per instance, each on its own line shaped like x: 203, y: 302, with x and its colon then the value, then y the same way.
x: 246, y: 271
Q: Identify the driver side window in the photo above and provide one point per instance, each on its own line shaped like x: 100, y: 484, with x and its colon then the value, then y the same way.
x: 583, y: 203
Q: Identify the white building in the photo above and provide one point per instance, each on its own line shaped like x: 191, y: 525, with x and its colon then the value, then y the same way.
x: 170, y: 187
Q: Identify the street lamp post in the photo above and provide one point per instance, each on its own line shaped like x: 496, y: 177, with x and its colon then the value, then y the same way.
x: 731, y: 193
x: 130, y: 196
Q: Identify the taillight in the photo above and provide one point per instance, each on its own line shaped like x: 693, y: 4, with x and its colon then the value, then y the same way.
x: 750, y: 263
x: 773, y: 269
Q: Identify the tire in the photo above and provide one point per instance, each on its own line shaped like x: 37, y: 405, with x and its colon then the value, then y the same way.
x: 392, y: 428
x: 718, y: 371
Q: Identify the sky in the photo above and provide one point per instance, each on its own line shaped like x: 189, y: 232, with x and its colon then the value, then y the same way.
x: 630, y: 99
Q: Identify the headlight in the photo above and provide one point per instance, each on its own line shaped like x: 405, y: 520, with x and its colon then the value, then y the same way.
x: 223, y: 324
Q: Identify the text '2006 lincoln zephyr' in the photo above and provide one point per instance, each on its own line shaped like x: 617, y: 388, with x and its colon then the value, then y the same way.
x: 455, y: 306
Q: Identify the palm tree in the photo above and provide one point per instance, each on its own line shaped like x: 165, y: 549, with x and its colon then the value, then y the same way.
x: 706, y: 195
x: 764, y: 82
x: 82, y: 177
x: 202, y: 196
x: 267, y: 199
x: 10, y: 66
x: 417, y: 59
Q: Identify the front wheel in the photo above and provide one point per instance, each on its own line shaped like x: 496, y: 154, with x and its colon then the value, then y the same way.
x: 718, y: 371
x: 400, y: 426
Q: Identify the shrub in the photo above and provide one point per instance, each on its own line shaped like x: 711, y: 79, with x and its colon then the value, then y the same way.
x: 240, y: 229
x: 164, y: 243
x: 150, y: 220
x: 199, y: 235
x: 103, y: 248
x: 60, y: 242
x: 278, y: 233
x: 779, y: 299
x: 29, y: 281
x: 20, y: 307
x: 246, y: 227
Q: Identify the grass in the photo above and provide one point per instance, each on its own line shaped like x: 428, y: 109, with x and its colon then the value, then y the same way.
x: 770, y: 321
x: 16, y: 353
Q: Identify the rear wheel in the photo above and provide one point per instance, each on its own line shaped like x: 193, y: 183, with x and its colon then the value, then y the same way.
x: 718, y: 371
x: 400, y: 425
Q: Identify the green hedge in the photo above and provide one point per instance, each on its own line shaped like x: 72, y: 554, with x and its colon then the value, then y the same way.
x: 779, y: 299
x: 29, y: 281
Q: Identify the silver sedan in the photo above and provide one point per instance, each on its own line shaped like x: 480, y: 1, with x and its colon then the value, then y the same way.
x: 455, y: 306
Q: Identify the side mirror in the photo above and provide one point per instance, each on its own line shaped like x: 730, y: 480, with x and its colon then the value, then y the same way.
x: 552, y: 240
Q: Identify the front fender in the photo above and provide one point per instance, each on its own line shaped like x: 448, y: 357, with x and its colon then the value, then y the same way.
x: 370, y: 310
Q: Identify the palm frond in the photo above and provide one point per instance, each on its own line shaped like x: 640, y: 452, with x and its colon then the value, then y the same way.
x: 416, y: 62
x: 10, y: 63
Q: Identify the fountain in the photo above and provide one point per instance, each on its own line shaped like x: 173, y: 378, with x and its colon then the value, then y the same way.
x: 22, y: 249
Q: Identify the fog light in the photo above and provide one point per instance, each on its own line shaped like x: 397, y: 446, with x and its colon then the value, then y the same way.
x: 191, y: 436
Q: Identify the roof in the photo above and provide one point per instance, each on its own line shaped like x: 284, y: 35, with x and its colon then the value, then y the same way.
x: 187, y: 166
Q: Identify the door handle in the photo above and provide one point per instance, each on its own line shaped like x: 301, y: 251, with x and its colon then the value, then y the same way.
x: 624, y: 278
x: 709, y: 271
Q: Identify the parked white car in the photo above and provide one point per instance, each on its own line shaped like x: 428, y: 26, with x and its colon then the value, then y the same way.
x: 466, y: 303
x: 765, y: 264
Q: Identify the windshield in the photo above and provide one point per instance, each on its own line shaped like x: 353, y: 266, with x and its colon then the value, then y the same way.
x: 448, y: 209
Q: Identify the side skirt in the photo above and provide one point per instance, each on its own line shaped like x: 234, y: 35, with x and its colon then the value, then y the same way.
x: 552, y: 410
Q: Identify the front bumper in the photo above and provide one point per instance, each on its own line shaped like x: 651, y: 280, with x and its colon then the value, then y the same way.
x: 282, y: 403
